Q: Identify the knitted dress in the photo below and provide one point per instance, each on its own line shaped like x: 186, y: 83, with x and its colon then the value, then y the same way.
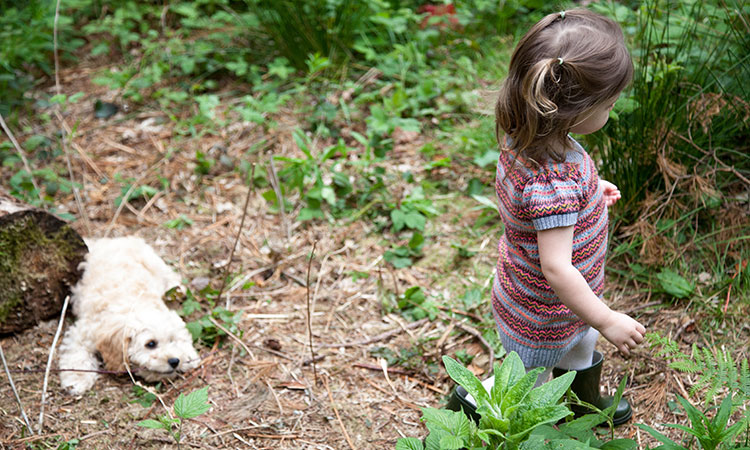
x: 531, y: 319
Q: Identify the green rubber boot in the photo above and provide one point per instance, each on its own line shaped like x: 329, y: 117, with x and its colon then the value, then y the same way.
x: 459, y: 402
x: 586, y: 387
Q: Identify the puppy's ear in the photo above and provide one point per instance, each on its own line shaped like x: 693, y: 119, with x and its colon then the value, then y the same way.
x: 113, y: 348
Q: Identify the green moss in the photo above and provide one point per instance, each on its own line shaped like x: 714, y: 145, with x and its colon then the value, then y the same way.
x: 18, y: 271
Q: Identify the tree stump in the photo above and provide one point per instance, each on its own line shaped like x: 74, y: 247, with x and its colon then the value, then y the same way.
x: 39, y: 258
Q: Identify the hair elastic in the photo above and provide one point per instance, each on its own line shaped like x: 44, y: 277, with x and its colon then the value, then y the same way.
x: 560, y: 61
x: 562, y: 15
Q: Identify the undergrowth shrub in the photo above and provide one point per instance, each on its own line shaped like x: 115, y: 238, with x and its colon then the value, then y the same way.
x: 685, y: 116
x: 26, y: 46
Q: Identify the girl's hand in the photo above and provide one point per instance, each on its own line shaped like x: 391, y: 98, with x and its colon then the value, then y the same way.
x: 623, y: 331
x: 611, y: 192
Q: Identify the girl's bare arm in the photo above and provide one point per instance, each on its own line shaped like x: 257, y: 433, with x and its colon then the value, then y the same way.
x: 555, y: 253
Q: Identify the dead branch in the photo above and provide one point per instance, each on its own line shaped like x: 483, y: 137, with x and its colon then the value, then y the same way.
x: 13, y: 387
x: 49, y: 362
x: 239, y: 233
x: 336, y: 411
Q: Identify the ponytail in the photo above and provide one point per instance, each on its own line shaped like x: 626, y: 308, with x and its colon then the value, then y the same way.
x: 563, y: 66
x: 533, y: 90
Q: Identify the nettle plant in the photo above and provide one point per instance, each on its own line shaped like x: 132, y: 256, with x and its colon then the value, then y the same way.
x: 514, y: 414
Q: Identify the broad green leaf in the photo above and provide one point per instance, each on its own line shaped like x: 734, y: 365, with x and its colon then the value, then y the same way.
x: 619, y: 444
x: 526, y: 419
x: 485, y: 202
x: 409, y: 443
x: 192, y: 405
x: 582, y: 425
x: 415, y: 221
x: 328, y: 195
x: 552, y: 391
x: 150, y: 423
x: 398, y: 218
x: 521, y: 389
x: 568, y: 444
x: 489, y: 157
x: 674, y: 284
x: 465, y: 378
x: 309, y: 214
x: 450, y: 442
x: 509, y: 373
x: 443, y: 419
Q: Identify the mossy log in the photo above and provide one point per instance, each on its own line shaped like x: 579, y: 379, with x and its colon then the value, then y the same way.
x: 39, y: 258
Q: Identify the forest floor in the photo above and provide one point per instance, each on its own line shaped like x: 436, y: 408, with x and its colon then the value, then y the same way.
x: 266, y: 392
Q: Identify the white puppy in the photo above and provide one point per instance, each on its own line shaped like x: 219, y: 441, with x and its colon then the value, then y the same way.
x: 121, y: 317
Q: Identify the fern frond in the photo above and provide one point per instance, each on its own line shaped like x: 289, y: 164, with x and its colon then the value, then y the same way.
x: 715, y: 369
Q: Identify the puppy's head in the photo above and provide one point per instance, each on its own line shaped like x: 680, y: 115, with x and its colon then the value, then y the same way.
x: 156, y: 343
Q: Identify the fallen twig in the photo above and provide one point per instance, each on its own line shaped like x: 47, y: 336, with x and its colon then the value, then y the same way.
x: 740, y: 266
x: 239, y: 232
x: 49, y: 361
x: 397, y: 371
x: 380, y: 337
x: 13, y: 387
x: 231, y: 335
x: 64, y: 131
x: 309, y: 315
x: 336, y: 411
x: 125, y: 196
x: 474, y: 332
x: 463, y: 313
x: 279, y: 198
x: 21, y: 154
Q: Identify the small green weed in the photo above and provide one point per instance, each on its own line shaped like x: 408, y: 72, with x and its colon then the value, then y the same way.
x: 144, y: 397
x: 711, y: 434
x: 185, y: 407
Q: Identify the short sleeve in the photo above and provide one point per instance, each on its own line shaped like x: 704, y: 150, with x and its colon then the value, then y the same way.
x: 552, y: 200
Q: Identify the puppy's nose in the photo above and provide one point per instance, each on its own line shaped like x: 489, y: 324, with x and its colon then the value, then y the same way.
x: 173, y: 362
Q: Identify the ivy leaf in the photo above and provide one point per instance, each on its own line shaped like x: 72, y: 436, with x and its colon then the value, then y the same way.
x: 192, y: 405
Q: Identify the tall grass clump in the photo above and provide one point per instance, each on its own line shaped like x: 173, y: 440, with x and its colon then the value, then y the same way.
x: 677, y: 146
x: 684, y: 120
x: 327, y: 28
x: 26, y: 47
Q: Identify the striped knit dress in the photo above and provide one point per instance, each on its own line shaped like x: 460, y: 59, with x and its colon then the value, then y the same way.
x: 531, y: 319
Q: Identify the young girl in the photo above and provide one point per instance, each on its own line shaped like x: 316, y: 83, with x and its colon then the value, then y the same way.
x: 564, y: 77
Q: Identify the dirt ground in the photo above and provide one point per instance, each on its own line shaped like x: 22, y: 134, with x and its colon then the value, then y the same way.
x: 265, y: 391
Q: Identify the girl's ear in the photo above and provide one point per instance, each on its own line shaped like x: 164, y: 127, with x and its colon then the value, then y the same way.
x: 113, y: 348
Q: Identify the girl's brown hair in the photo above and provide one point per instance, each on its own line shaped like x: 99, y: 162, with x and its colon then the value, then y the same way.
x: 566, y: 64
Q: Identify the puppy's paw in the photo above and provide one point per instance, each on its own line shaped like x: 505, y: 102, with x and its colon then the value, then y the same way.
x: 76, y: 383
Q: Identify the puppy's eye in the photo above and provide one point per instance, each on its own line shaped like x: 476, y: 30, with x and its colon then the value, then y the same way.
x: 151, y: 344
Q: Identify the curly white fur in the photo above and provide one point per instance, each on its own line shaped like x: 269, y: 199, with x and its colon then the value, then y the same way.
x: 121, y: 317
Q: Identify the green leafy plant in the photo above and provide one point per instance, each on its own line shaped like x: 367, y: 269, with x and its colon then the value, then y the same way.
x: 715, y: 370
x: 144, y: 397
x: 403, y: 255
x: 711, y: 434
x: 509, y: 413
x: 514, y: 414
x: 690, y: 67
x: 185, y: 407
